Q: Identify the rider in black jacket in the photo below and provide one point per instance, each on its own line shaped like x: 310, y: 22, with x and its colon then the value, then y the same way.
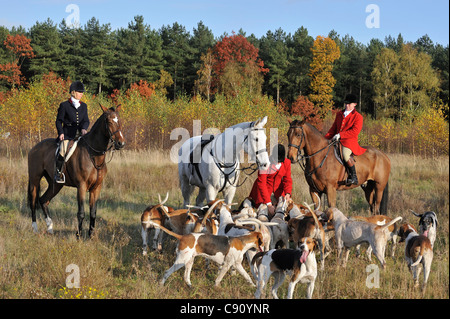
x: 71, y: 122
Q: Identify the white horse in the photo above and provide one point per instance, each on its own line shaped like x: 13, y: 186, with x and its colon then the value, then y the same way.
x: 214, y: 167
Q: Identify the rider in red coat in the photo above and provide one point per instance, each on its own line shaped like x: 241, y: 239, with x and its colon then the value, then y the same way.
x: 346, y: 127
x: 275, y: 180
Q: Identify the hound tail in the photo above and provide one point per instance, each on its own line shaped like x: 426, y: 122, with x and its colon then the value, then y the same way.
x: 171, y: 233
x: 420, y: 257
x: 316, y: 220
x: 210, y: 210
x: 256, y: 261
x: 392, y: 222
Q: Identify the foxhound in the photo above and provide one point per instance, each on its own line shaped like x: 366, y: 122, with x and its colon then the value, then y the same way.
x: 226, y: 251
x: 299, y: 263
x: 428, y: 225
x: 379, y: 220
x: 308, y: 225
x: 280, y: 231
x: 349, y: 233
x: 154, y: 214
x: 418, y: 250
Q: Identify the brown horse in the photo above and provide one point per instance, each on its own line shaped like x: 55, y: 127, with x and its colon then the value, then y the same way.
x: 85, y: 169
x: 325, y: 175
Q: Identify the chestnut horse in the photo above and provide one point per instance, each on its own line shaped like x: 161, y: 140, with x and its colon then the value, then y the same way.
x: 85, y: 169
x: 326, y: 175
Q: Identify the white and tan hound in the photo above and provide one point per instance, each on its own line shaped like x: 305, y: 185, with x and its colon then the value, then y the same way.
x: 349, y: 233
x: 300, y: 264
x: 226, y: 251
x: 379, y: 220
x: 418, y: 250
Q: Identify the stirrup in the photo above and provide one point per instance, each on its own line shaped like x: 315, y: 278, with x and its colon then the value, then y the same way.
x: 60, y: 178
x: 351, y: 181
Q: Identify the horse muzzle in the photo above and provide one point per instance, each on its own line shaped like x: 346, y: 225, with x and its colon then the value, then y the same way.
x: 118, y: 145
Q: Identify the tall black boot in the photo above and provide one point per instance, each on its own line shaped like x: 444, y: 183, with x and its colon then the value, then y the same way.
x: 59, y: 175
x: 351, y: 179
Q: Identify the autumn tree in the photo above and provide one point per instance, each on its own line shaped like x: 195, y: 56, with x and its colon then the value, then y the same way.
x: 383, y: 76
x: 418, y: 81
x: 19, y: 49
x: 404, y: 82
x: 325, y: 52
x: 307, y: 110
x: 204, y: 81
x: 237, y: 66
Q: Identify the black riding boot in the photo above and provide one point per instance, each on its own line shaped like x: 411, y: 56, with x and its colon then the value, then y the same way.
x: 352, y: 179
x: 59, y: 175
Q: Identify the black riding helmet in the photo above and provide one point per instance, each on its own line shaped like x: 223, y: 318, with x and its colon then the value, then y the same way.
x: 278, y: 154
x: 76, y: 86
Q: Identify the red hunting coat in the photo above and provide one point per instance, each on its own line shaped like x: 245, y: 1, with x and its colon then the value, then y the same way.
x: 272, y: 181
x: 348, y: 128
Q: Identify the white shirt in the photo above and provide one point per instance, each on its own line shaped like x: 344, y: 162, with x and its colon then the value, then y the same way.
x: 75, y: 102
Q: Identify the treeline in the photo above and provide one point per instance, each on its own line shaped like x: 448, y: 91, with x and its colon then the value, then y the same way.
x: 392, y: 78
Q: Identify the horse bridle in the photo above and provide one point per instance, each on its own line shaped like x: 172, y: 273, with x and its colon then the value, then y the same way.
x: 222, y: 166
x: 111, y: 134
x: 262, y: 150
x: 302, y: 157
x: 297, y: 146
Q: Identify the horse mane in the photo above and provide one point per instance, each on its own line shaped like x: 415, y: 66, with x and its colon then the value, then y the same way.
x: 311, y: 127
x: 243, y: 125
x: 96, y: 123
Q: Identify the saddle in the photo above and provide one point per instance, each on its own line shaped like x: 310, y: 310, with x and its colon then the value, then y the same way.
x: 195, y: 156
x: 338, y: 154
x: 71, y: 147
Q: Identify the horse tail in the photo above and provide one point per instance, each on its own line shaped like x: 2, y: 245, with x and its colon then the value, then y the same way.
x: 384, y: 200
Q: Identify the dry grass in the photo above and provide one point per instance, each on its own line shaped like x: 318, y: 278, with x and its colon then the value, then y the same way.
x: 112, y: 266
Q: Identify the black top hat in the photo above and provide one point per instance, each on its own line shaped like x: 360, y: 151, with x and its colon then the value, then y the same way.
x: 278, y: 153
x: 76, y: 86
x: 350, y: 98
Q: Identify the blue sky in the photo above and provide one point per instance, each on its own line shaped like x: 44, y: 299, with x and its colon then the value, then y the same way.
x: 412, y: 18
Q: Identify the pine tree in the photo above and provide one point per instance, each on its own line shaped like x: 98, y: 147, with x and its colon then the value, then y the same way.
x: 46, y: 43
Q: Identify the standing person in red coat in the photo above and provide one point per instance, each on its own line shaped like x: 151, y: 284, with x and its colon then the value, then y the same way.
x: 275, y: 180
x: 346, y: 127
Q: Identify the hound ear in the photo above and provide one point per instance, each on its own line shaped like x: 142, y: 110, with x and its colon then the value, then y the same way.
x: 316, y: 244
x: 103, y: 108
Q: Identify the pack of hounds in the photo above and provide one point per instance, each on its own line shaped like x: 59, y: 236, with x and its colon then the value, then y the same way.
x: 225, y: 236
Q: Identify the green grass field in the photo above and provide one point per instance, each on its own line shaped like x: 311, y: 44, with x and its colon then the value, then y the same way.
x: 111, y: 264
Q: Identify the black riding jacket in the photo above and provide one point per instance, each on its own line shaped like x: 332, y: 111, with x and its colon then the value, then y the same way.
x: 70, y: 121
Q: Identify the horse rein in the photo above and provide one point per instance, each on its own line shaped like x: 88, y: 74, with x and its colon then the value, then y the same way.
x: 305, y: 157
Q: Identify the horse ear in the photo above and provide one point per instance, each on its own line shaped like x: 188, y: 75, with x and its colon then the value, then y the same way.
x: 290, y: 120
x: 261, y: 122
x: 118, y: 108
x: 264, y: 120
x: 103, y: 108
